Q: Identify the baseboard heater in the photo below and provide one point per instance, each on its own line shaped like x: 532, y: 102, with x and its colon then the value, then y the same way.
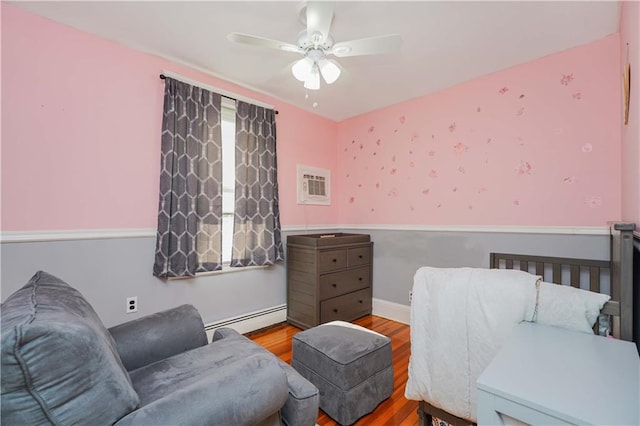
x: 251, y: 321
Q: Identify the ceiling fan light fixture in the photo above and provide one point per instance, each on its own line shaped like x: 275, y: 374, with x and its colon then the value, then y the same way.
x: 313, y: 80
x: 330, y: 71
x: 302, y: 69
x: 315, y: 43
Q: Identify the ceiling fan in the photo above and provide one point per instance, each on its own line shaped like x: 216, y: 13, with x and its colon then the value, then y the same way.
x: 316, y: 44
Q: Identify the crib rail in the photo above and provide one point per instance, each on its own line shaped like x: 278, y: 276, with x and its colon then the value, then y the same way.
x: 587, y: 274
x: 542, y: 265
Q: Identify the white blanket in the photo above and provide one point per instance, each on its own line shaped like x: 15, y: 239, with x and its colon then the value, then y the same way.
x: 460, y: 317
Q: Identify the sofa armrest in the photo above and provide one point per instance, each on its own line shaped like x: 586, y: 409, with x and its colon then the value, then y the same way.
x: 158, y: 336
x: 301, y: 408
x: 245, y: 392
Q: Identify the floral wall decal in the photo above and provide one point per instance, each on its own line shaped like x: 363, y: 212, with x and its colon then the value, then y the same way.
x: 524, y: 168
x: 593, y: 202
x: 459, y: 148
x: 566, y: 79
x: 500, y: 148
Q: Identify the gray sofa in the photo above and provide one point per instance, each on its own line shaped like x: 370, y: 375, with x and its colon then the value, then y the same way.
x: 61, y: 366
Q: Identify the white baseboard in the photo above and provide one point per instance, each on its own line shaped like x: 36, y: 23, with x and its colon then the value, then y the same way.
x: 264, y: 318
x: 391, y: 310
x: 251, y: 321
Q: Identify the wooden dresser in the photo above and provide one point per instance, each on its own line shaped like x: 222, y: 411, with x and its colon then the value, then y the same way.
x: 328, y: 278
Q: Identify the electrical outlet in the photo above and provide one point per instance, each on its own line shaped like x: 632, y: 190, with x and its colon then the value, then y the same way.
x: 132, y: 304
x: 410, y: 296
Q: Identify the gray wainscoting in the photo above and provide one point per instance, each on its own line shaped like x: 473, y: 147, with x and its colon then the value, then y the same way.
x: 636, y: 289
x: 398, y: 254
x: 107, y: 271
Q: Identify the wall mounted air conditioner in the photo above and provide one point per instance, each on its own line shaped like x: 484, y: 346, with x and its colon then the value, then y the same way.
x: 314, y: 185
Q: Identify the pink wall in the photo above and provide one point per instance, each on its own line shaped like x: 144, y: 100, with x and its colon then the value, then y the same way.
x: 630, y: 33
x: 536, y: 144
x: 81, y: 130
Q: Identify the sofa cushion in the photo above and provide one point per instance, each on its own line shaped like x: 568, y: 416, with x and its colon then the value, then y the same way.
x: 59, y: 363
x: 216, y: 385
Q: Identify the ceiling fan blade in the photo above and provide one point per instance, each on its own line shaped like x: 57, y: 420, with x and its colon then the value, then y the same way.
x: 319, y: 18
x: 368, y: 46
x: 263, y: 42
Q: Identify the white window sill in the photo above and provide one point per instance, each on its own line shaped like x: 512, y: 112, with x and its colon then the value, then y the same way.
x: 226, y: 269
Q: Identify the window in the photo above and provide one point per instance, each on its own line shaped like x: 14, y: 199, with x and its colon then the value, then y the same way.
x: 228, y: 176
x: 218, y: 199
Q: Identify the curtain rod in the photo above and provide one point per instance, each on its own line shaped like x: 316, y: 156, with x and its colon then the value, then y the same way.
x: 221, y: 92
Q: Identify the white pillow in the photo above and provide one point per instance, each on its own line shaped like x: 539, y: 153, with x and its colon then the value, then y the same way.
x: 567, y: 307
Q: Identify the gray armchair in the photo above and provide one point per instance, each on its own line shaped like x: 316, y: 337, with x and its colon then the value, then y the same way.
x: 60, y: 365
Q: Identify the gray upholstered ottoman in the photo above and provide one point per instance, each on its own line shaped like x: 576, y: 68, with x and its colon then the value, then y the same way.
x: 350, y: 365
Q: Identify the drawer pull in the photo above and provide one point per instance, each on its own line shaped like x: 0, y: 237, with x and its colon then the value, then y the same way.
x: 359, y: 278
x: 334, y: 285
x: 335, y: 311
x: 334, y: 260
x: 360, y: 256
x: 359, y: 301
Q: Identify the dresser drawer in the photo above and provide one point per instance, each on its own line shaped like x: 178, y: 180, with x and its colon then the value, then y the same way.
x: 339, y: 283
x: 332, y: 260
x: 358, y: 256
x: 346, y: 307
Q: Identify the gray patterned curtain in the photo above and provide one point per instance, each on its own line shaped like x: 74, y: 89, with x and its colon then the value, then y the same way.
x: 189, y: 235
x: 256, y: 227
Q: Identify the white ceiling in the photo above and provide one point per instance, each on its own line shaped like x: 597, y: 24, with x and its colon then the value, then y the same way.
x: 444, y: 42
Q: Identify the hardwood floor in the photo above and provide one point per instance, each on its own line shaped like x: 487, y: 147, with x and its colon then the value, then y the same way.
x: 396, y: 410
